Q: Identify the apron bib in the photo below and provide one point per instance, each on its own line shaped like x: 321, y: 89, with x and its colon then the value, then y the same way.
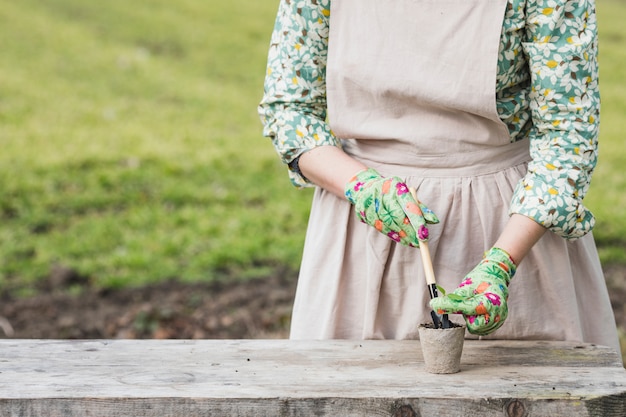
x: 412, y: 83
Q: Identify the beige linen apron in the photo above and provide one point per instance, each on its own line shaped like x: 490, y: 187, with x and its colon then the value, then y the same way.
x: 411, y: 92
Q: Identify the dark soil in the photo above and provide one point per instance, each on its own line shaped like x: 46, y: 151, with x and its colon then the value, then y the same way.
x: 255, y: 309
x: 230, y: 309
x: 452, y: 325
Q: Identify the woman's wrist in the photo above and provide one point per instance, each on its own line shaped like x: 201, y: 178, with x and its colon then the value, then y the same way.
x: 519, y: 236
x: 330, y: 168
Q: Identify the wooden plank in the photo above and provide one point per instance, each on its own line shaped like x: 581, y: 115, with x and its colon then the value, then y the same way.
x: 288, y: 378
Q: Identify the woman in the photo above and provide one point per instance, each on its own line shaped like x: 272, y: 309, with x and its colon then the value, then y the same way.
x: 489, y: 109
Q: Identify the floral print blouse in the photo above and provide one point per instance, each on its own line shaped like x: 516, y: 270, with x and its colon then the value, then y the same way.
x: 546, y: 90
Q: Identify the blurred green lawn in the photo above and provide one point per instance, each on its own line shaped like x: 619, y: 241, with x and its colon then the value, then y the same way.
x: 131, y: 147
x: 132, y: 151
x: 607, y: 195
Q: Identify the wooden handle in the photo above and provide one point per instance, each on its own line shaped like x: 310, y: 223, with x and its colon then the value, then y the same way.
x: 425, y: 252
x: 428, y: 264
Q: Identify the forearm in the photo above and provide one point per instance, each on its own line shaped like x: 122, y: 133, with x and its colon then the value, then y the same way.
x: 330, y: 168
x: 519, y: 235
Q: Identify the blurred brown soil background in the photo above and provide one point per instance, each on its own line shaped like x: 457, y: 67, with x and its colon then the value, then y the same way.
x: 228, y: 309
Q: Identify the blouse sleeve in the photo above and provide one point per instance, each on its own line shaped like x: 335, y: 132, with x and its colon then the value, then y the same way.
x: 293, y: 108
x: 561, y: 47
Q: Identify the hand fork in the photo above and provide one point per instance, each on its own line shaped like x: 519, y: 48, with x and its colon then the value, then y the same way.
x: 439, y: 321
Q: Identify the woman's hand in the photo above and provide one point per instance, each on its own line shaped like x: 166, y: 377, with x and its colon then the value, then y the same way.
x: 387, y: 205
x: 384, y: 203
x: 482, y: 296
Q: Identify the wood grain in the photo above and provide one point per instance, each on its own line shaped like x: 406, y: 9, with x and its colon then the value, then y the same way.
x: 289, y: 378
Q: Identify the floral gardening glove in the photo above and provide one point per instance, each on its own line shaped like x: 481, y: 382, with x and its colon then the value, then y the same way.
x: 387, y: 204
x: 482, y: 295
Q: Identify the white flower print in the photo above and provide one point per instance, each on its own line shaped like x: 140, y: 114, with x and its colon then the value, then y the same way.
x: 546, y: 91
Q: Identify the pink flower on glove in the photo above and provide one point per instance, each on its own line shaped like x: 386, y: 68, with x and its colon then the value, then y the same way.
x: 394, y: 235
x: 358, y: 186
x: 493, y: 298
x: 467, y: 281
x: 422, y: 232
x: 401, y: 188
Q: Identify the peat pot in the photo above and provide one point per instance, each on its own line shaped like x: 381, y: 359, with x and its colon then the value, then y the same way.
x: 442, y: 348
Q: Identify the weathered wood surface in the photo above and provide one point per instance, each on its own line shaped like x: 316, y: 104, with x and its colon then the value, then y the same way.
x: 297, y: 378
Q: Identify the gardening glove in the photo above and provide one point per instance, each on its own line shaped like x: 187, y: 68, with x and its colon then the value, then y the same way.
x: 387, y: 205
x: 482, y: 295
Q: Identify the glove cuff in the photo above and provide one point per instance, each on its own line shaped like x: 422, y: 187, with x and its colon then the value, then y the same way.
x: 502, y: 259
x: 358, y: 181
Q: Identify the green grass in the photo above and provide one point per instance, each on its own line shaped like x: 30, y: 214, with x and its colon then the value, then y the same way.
x: 607, y: 196
x: 131, y: 150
